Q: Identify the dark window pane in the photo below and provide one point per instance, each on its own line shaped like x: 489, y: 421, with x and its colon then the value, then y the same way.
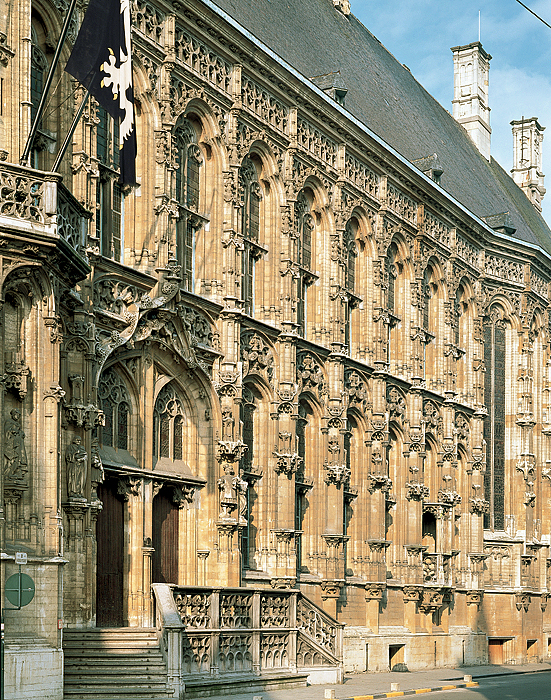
x: 192, y: 189
x: 122, y: 426
x: 165, y: 436
x: 116, y: 221
x: 107, y: 431
x: 178, y: 437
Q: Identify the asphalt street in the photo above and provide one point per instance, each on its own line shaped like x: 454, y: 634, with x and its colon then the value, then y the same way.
x: 526, y: 686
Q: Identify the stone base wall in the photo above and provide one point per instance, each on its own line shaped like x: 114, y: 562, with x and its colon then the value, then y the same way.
x: 365, y: 651
x: 33, y: 672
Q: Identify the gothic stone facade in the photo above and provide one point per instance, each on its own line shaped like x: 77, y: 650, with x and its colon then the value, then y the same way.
x: 286, y: 359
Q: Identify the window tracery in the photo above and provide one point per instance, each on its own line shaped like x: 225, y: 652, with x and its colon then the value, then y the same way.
x: 115, y: 404
x: 168, y: 425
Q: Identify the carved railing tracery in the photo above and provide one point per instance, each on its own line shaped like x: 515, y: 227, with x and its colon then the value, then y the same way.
x: 243, y: 630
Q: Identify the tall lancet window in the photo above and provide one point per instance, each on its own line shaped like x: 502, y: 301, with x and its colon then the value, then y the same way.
x: 168, y: 425
x: 495, y: 332
x: 188, y: 195
x: 304, y: 225
x: 249, y: 224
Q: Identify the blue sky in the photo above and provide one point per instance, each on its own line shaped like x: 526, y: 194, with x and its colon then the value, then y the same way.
x: 420, y: 34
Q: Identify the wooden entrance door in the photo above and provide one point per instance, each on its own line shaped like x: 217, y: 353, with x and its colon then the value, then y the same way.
x: 495, y: 651
x: 165, y: 538
x: 110, y: 539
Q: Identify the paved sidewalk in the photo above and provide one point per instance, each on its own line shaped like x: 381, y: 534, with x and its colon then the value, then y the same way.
x: 366, y: 684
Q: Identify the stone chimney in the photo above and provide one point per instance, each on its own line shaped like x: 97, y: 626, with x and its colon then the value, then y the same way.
x: 527, y: 172
x: 471, y: 68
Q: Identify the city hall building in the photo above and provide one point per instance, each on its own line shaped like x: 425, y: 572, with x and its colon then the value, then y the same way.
x: 283, y: 409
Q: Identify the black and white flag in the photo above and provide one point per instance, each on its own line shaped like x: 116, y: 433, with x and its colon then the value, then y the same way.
x: 101, y: 60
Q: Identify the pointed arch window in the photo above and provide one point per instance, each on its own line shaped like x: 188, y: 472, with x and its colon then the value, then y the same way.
x: 115, y: 404
x: 168, y: 425
x: 188, y: 194
x: 249, y: 223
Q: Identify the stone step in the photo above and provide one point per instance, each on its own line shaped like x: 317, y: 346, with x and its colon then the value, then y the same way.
x: 204, y: 687
x: 124, y: 679
x: 107, y: 663
x: 114, y: 664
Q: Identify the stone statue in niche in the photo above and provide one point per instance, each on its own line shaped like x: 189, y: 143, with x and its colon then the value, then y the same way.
x: 233, y: 494
x: 76, y: 459
x: 97, y: 473
x: 15, y: 454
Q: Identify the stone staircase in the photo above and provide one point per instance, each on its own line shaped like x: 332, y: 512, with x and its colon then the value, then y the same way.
x: 114, y: 664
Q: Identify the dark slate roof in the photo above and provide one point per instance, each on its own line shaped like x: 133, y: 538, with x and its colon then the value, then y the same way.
x: 316, y: 39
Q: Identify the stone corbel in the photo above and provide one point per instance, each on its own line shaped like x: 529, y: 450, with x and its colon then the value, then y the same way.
x: 287, y: 463
x: 374, y: 591
x: 432, y: 599
x: 412, y: 594
x: 128, y: 486
x: 522, y: 601
x: 474, y: 597
x: 416, y: 491
x: 336, y: 474
x: 379, y: 481
x: 16, y: 378
x: 544, y: 600
x: 283, y: 582
x: 331, y: 589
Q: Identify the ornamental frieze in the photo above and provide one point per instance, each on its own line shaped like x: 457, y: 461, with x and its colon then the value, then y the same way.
x: 202, y: 59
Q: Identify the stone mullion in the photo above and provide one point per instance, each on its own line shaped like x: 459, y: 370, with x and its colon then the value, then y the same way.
x: 381, y: 320
x: 134, y: 539
x: 413, y: 490
x: 20, y: 120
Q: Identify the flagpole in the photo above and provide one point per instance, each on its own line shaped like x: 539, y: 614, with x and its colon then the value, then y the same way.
x: 34, y: 128
x: 70, y: 133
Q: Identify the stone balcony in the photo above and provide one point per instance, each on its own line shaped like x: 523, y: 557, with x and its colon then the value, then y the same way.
x: 41, y: 220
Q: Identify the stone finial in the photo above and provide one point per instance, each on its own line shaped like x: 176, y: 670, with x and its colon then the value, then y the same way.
x: 527, y: 170
x: 471, y: 108
x: 343, y: 6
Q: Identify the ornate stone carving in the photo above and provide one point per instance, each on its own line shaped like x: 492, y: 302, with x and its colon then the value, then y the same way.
x: 522, y: 601
x: 129, y: 486
x: 479, y: 505
x: 379, y: 481
x: 396, y: 404
x: 257, y: 356
x: 416, y: 491
x: 526, y: 463
x: 450, y: 497
x: 336, y: 474
x: 309, y: 375
x: 412, y: 593
x: 287, y: 462
x: 432, y: 599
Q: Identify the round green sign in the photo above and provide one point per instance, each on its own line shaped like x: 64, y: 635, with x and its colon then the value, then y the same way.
x: 20, y: 590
